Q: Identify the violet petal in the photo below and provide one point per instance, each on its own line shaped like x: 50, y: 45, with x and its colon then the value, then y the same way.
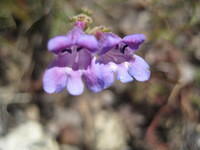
x: 84, y: 59
x: 99, y: 77
x: 107, y: 41
x: 134, y: 40
x: 54, y: 80
x: 75, y: 84
x: 64, y: 60
x: 58, y: 43
x: 88, y: 41
x: 93, y: 82
x: 122, y: 74
x: 139, y: 69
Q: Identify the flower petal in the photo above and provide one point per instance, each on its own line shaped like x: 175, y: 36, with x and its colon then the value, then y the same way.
x: 75, y: 84
x: 114, y: 55
x: 93, y: 82
x: 98, y: 77
x: 139, y: 69
x: 105, y: 74
x: 122, y: 73
x: 74, y: 34
x: 54, y: 80
x: 134, y: 40
x: 61, y: 42
x: 85, y: 59
x: 64, y: 60
x: 58, y: 43
x: 107, y: 41
x: 88, y: 41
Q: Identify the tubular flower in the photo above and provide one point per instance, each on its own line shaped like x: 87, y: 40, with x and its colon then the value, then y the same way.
x: 118, y: 53
x: 73, y: 56
x: 84, y: 58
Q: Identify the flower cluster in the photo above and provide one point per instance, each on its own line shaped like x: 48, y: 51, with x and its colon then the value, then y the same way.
x: 93, y: 60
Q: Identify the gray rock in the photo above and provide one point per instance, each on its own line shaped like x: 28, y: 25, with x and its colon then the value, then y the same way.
x: 28, y: 136
x: 109, y: 132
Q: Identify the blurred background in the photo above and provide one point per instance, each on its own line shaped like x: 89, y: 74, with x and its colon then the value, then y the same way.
x: 160, y: 114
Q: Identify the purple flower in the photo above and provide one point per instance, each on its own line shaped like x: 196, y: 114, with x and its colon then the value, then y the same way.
x: 119, y: 53
x: 73, y: 56
x: 75, y: 64
x: 85, y: 59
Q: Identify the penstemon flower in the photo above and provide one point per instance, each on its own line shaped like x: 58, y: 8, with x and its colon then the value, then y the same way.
x: 73, y: 56
x: 82, y: 57
x: 119, y: 54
